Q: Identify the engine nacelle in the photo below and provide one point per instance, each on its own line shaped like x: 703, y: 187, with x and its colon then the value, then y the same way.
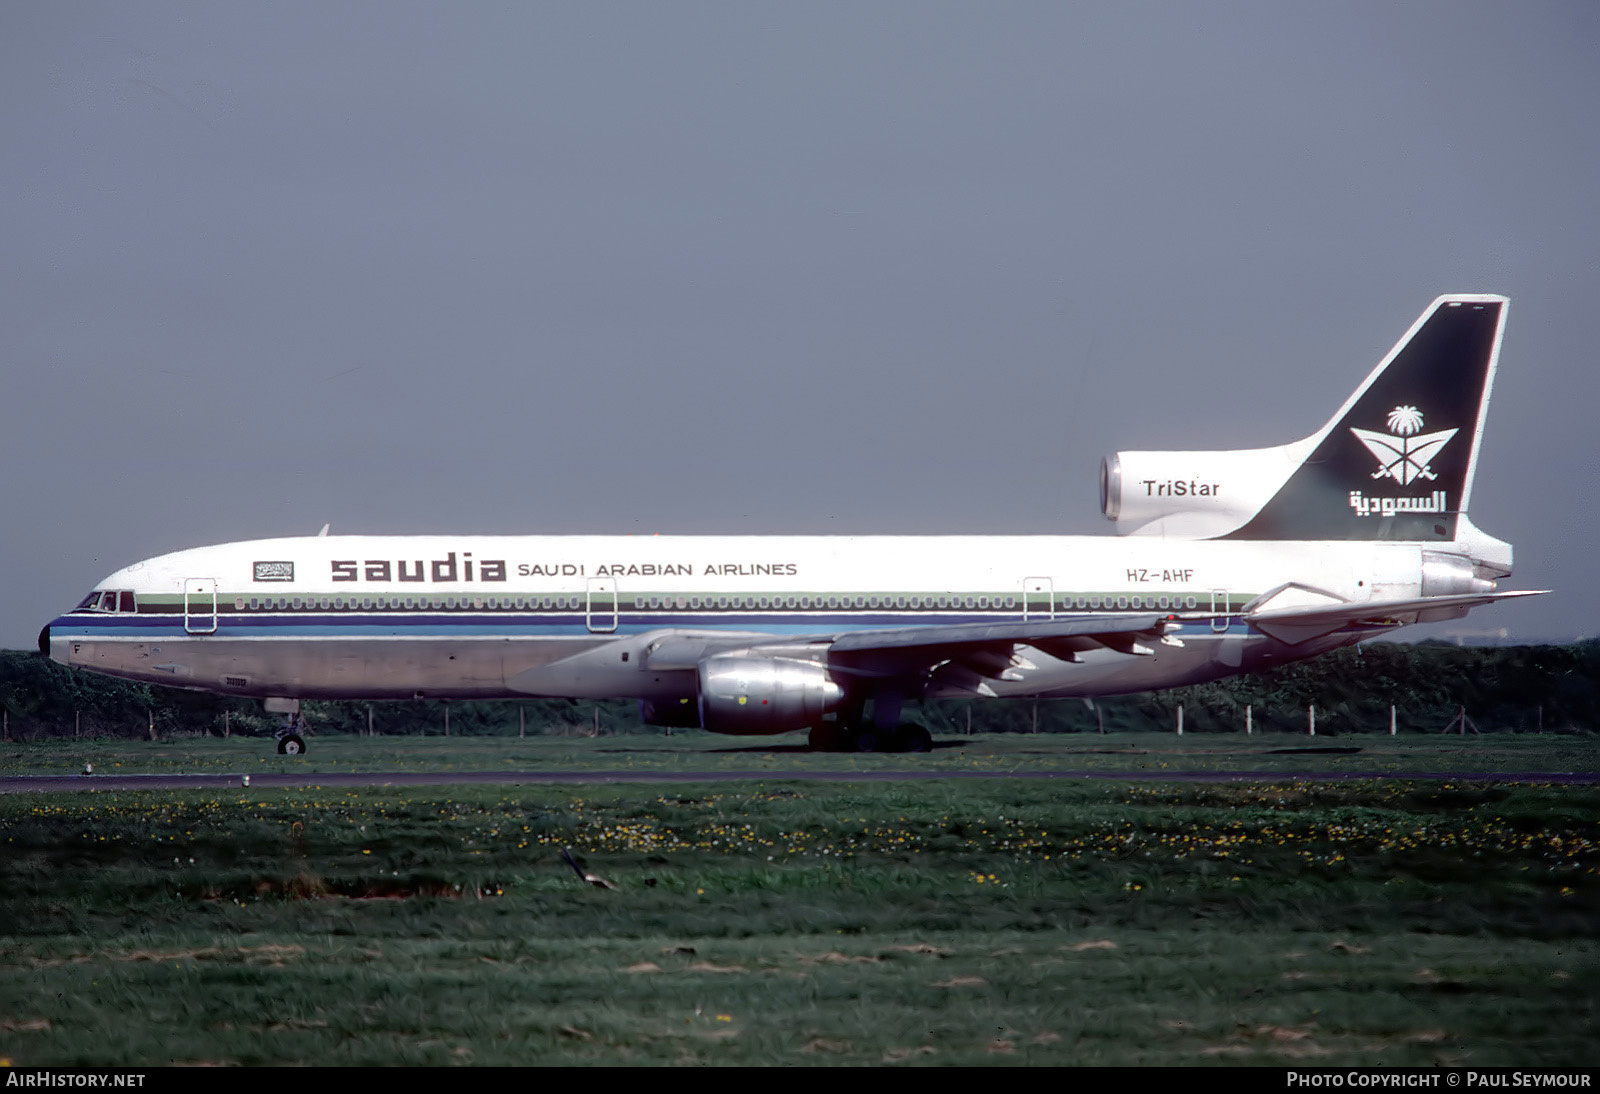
x: 750, y: 695
x: 1192, y: 493
x: 1447, y: 575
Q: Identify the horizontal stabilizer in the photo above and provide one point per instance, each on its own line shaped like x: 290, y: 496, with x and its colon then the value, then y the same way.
x: 1296, y: 625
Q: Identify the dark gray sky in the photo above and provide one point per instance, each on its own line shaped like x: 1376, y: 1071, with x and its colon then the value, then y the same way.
x: 779, y: 268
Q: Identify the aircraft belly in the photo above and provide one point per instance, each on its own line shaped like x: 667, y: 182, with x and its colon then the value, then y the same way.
x: 349, y: 669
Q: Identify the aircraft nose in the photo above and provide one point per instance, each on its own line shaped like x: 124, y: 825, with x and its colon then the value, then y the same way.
x: 50, y: 646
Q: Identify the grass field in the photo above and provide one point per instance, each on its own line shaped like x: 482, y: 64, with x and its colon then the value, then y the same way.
x: 781, y: 921
x: 1134, y: 753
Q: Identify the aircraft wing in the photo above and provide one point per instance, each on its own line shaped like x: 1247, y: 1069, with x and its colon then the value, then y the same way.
x: 1076, y: 633
x: 962, y: 656
x: 966, y: 658
x: 1296, y: 625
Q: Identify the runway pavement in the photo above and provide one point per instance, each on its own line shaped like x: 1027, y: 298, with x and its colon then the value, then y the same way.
x: 34, y: 784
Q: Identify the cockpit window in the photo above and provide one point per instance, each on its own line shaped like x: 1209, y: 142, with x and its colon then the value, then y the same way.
x: 101, y: 600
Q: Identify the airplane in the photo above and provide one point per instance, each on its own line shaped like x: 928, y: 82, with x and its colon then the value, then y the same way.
x: 1225, y: 562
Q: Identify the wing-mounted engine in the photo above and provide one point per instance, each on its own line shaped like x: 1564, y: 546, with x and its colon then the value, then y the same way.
x: 750, y: 694
x: 1192, y: 494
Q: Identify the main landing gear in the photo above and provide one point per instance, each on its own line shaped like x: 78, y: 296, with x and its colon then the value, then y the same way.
x: 834, y: 737
x: 290, y: 741
x: 291, y: 735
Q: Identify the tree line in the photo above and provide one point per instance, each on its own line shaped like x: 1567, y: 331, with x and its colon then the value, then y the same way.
x: 1501, y: 689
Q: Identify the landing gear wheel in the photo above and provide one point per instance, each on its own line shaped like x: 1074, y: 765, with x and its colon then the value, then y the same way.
x: 291, y: 745
x: 914, y: 738
x: 866, y: 740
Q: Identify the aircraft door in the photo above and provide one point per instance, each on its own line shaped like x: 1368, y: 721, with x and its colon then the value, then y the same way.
x: 1219, y: 605
x: 1038, y: 598
x: 200, y: 605
x: 601, y: 605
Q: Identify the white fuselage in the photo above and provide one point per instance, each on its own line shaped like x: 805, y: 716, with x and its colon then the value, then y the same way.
x: 465, y: 616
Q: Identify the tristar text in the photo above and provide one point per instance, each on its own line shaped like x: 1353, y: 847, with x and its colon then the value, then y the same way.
x: 1177, y: 488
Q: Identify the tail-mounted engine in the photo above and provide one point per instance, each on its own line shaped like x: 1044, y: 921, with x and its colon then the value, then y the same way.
x: 1197, y: 494
x: 1450, y: 575
x: 752, y: 695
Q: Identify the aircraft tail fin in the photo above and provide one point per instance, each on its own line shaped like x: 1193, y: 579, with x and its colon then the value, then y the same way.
x: 1396, y: 462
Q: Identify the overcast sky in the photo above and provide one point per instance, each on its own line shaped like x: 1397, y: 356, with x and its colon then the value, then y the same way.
x: 774, y: 268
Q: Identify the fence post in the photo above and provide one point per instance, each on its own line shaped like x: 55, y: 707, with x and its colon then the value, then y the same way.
x: 1247, y: 728
x: 1391, y: 720
x: 1180, y: 719
x: 1311, y: 714
x: 522, y: 721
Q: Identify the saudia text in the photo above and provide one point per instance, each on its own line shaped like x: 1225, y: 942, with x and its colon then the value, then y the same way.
x: 451, y: 569
x: 1388, y: 507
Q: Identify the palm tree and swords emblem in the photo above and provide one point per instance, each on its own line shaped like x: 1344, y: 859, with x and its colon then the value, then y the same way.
x: 1404, y: 454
